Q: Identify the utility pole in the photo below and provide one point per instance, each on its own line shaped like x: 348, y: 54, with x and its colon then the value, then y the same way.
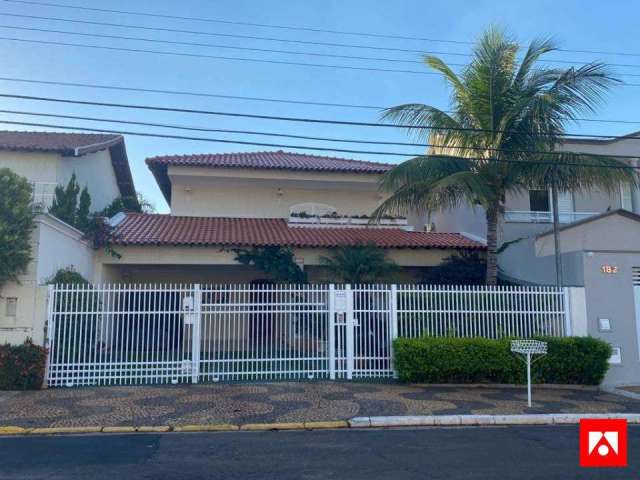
x: 556, y: 221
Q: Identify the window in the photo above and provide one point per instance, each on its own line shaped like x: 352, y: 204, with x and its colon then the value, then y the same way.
x: 11, y: 307
x: 539, y: 201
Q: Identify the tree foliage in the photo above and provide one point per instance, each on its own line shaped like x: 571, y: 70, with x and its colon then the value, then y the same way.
x: 277, y: 262
x: 507, y: 115
x: 65, y: 202
x: 360, y: 264
x: 17, y: 221
x: 466, y: 268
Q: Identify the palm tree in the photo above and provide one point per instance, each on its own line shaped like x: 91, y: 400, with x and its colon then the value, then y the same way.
x: 360, y: 264
x: 507, y: 116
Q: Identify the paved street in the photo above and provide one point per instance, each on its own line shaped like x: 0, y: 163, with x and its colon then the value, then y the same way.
x: 495, y: 453
x: 288, y: 402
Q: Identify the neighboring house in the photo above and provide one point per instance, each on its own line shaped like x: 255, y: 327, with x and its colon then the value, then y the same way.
x: 599, y: 245
x: 48, y: 159
x: 225, y: 201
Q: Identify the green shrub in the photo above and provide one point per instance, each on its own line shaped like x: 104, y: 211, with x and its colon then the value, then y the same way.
x: 570, y: 360
x: 22, y: 366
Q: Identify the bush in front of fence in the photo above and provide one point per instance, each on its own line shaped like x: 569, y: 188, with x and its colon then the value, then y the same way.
x: 22, y: 366
x: 570, y: 360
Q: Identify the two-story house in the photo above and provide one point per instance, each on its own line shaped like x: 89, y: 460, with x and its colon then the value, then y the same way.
x: 309, y: 203
x: 48, y: 159
x: 599, y: 248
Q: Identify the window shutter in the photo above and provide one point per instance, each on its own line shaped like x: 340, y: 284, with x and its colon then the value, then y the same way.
x: 565, y: 202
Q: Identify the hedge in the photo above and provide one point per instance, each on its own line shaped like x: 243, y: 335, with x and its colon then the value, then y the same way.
x: 22, y: 366
x: 570, y: 360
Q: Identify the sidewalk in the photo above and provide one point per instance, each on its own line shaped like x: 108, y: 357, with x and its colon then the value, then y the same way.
x: 288, y: 402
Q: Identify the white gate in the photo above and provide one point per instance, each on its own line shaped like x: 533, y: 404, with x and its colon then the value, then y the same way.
x: 146, y: 334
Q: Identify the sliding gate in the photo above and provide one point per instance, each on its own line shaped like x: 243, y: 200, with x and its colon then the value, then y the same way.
x: 148, y: 334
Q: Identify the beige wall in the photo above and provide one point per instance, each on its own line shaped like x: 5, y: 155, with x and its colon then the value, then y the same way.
x: 214, y: 265
x: 93, y: 170
x: 54, y: 245
x: 36, y: 167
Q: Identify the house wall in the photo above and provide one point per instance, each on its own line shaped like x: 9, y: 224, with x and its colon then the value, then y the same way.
x: 36, y: 167
x: 611, y: 296
x: 55, y: 245
x: 95, y: 171
x: 213, y: 265
x: 270, y: 201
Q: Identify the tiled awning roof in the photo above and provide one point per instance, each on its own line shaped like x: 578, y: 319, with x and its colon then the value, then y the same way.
x: 152, y: 229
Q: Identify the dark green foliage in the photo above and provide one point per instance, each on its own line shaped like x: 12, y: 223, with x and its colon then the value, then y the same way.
x: 83, y: 215
x: 125, y: 204
x: 17, y: 221
x: 571, y: 360
x: 67, y: 276
x: 360, y: 264
x: 277, y: 262
x: 467, y: 268
x: 65, y: 203
x: 22, y: 366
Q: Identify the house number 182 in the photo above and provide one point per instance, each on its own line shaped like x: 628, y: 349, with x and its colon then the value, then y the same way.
x: 610, y: 269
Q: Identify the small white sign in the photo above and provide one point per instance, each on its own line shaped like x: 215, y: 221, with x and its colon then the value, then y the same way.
x: 340, y: 301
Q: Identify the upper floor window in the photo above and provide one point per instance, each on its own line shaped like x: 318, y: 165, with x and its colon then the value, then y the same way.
x: 539, y: 201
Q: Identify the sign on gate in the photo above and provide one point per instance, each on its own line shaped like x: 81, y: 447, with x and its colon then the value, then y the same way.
x: 340, y: 301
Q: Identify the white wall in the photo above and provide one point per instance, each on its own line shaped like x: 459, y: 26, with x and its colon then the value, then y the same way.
x: 55, y: 245
x: 95, y: 171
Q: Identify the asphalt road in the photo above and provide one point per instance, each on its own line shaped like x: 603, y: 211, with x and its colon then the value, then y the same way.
x: 495, y: 453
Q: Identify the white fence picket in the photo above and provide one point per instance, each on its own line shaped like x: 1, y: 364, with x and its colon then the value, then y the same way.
x: 149, y: 334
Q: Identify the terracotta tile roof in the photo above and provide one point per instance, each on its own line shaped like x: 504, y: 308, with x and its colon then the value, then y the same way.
x: 278, y: 160
x: 153, y: 229
x: 63, y: 143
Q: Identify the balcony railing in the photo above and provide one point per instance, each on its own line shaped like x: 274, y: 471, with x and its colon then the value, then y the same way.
x: 329, y: 221
x: 43, y: 194
x: 525, y: 216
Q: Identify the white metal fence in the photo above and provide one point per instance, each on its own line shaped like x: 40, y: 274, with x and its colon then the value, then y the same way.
x: 145, y: 334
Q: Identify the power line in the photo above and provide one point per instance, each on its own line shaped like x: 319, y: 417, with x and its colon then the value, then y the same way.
x: 251, y: 49
x: 289, y: 27
x: 232, y: 47
x: 219, y: 57
x: 299, y: 137
x: 247, y: 98
x: 301, y: 147
x: 275, y: 39
x: 280, y: 118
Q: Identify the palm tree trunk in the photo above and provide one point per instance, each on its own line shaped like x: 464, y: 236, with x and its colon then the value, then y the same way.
x: 492, y: 246
x: 556, y: 231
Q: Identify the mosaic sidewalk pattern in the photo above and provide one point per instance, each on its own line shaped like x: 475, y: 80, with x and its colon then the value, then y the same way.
x: 286, y: 402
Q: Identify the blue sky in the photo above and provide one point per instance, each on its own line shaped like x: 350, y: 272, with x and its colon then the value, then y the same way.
x: 589, y: 25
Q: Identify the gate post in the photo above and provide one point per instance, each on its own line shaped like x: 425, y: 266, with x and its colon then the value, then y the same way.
x: 393, y: 324
x: 332, y: 332
x: 49, y: 334
x: 195, y: 333
x: 350, y: 337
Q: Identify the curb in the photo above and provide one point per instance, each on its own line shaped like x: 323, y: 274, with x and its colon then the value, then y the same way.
x: 485, y: 420
x: 14, y: 430
x: 356, y: 422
